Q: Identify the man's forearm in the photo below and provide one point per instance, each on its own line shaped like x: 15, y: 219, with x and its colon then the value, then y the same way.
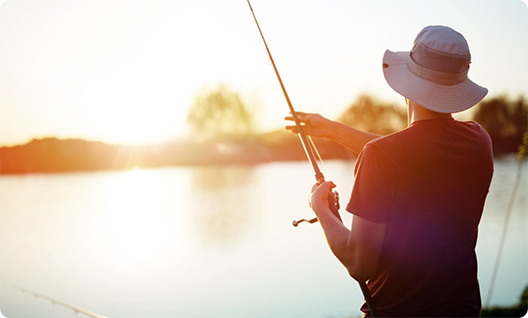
x: 336, y: 233
x: 357, y: 249
x: 349, y: 137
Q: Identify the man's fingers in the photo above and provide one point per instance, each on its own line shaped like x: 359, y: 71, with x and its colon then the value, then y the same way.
x: 329, y: 185
x: 325, y: 187
x: 300, y: 115
x: 293, y: 129
x: 304, y: 119
x: 321, y: 192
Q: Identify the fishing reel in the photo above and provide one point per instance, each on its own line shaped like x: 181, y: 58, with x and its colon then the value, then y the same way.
x: 334, y: 205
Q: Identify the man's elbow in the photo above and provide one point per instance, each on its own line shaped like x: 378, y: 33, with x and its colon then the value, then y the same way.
x: 354, y: 264
x: 360, y: 272
x: 360, y: 266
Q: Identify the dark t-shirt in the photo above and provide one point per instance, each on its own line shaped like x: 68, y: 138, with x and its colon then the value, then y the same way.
x: 428, y: 183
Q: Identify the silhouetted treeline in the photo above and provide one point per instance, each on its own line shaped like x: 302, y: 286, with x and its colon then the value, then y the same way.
x: 273, y: 146
x: 372, y: 115
x: 505, y: 120
x: 55, y: 155
x: 219, y: 112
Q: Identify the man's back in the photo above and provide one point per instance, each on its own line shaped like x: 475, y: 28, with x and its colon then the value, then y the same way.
x: 419, y: 193
x: 428, y: 183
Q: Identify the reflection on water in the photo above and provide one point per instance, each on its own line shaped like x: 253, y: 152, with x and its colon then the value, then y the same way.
x: 223, y: 210
x: 136, y: 215
x: 199, y: 242
x: 221, y: 177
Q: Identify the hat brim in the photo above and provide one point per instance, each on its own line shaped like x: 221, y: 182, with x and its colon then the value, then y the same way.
x: 436, y: 97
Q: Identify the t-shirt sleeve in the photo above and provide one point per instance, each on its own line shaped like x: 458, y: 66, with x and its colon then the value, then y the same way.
x: 375, y: 185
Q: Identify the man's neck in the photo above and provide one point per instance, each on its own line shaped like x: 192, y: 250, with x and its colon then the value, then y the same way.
x: 416, y: 112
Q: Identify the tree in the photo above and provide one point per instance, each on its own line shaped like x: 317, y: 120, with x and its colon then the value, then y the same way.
x: 505, y: 121
x: 372, y: 115
x: 220, y: 112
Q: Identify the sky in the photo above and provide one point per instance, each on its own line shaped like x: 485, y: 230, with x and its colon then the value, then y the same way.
x: 127, y: 71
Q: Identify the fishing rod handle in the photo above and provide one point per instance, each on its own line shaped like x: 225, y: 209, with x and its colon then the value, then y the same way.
x: 332, y: 204
x: 368, y: 299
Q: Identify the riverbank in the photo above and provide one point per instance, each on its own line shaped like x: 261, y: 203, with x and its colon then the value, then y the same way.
x: 51, y: 155
x: 518, y: 310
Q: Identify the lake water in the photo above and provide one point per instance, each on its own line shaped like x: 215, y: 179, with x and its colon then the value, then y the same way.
x: 204, y: 242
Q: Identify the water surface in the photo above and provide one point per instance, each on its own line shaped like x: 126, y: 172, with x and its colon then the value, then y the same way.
x: 203, y: 242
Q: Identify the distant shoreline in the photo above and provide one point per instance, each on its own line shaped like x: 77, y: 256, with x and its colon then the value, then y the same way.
x: 52, y: 155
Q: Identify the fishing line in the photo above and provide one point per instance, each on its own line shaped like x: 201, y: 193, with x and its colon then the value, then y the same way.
x: 521, y: 155
x: 130, y: 157
x: 319, y: 158
x: 310, y: 148
x: 307, y: 147
x: 158, y: 153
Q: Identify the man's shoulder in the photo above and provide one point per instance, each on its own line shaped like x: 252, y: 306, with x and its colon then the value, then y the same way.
x: 391, y: 139
x: 431, y: 128
x: 433, y: 136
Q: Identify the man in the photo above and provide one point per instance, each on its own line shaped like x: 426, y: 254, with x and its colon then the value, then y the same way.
x: 419, y: 193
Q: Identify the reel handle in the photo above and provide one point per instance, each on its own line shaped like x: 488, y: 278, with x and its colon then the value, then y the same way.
x: 333, y: 205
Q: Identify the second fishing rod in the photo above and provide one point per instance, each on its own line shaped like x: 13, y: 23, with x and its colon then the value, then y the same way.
x: 310, y: 150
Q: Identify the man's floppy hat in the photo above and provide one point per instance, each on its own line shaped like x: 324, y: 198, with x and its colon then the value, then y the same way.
x: 434, y: 73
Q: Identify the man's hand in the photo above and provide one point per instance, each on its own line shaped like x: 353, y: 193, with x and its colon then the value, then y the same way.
x: 320, y: 194
x: 313, y: 124
x: 318, y: 126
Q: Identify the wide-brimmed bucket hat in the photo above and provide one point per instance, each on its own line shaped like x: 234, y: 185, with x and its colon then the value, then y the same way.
x: 434, y: 73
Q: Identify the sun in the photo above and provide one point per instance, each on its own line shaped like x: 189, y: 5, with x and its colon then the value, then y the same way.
x: 137, y: 129
x: 135, y: 124
x: 122, y: 107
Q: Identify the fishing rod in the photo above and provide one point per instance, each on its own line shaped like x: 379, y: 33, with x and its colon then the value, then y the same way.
x: 308, y: 145
x: 75, y: 309
x: 310, y: 149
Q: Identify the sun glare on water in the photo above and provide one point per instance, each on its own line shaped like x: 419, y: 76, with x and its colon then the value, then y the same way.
x: 136, y: 216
